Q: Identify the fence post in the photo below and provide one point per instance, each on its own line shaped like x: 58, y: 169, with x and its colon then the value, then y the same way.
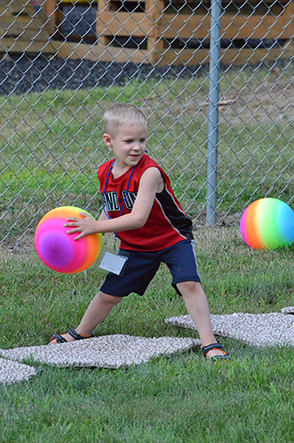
x: 214, y: 69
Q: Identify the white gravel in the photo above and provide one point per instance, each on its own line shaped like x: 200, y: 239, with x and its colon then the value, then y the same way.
x: 13, y: 372
x: 117, y: 351
x: 109, y: 351
x: 254, y: 329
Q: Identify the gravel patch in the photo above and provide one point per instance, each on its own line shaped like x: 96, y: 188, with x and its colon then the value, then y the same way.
x: 254, y: 329
x: 79, y: 20
x: 109, y: 351
x: 13, y: 372
x: 36, y: 74
x: 119, y: 351
x: 288, y: 310
x: 23, y: 73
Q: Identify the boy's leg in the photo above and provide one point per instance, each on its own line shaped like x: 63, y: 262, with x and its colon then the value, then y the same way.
x: 197, y: 306
x: 98, y: 310
x: 138, y: 272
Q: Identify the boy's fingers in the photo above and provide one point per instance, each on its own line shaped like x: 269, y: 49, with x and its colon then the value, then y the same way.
x: 72, y: 231
x: 73, y: 219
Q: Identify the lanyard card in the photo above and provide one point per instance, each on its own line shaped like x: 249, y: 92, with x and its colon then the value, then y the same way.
x: 113, y: 263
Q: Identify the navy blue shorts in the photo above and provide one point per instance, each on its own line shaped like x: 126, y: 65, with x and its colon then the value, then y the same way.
x: 141, y: 267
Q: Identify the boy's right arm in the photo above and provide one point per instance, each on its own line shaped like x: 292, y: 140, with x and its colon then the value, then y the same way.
x: 151, y: 182
x: 102, y: 216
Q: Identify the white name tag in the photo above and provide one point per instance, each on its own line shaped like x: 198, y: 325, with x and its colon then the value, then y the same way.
x: 113, y: 263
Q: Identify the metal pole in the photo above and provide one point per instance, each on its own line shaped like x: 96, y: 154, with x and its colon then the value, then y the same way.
x: 215, y: 44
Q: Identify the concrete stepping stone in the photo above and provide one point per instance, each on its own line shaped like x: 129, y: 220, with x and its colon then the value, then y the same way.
x: 14, y: 372
x: 109, y: 351
x: 254, y: 329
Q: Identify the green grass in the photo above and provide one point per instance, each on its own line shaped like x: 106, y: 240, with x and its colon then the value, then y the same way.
x: 50, y: 150
x: 179, y: 399
x: 51, y: 146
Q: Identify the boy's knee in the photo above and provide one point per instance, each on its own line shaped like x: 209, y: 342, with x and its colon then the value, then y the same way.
x: 109, y: 299
x: 188, y: 288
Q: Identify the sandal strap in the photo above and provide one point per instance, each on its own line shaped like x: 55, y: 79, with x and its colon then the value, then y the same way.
x: 78, y: 336
x: 58, y: 338
x: 212, y: 346
x: 219, y: 357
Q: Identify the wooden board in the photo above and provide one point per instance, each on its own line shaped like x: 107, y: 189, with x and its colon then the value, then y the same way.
x: 183, y: 26
x: 114, y: 21
x: 21, y: 29
x: 173, y: 56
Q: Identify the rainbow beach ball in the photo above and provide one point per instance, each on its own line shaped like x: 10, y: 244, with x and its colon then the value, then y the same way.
x: 267, y: 224
x: 58, y: 250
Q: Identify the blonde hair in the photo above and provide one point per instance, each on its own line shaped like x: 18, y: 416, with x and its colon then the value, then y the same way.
x: 122, y: 114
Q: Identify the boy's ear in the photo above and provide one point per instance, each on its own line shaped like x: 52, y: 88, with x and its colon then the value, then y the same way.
x: 107, y: 140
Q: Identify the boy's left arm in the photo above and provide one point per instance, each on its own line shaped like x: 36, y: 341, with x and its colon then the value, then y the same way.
x: 151, y: 182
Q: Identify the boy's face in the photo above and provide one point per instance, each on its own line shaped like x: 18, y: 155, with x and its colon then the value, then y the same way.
x: 128, y: 145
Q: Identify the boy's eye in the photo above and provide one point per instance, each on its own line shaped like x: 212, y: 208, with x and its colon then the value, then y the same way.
x: 142, y: 140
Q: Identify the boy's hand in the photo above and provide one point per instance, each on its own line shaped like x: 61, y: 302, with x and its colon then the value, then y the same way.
x: 85, y: 226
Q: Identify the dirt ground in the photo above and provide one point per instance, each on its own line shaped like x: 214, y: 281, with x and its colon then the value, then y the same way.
x: 12, y: 247
x: 268, y: 103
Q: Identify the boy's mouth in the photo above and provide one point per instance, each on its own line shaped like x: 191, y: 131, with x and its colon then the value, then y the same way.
x: 134, y: 156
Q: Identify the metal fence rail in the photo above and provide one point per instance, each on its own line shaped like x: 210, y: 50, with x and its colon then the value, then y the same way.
x: 64, y: 63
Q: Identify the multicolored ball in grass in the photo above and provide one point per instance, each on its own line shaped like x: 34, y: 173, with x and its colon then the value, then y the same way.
x: 267, y: 224
x: 58, y: 250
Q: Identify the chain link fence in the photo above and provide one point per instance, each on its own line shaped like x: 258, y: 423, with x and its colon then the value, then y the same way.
x: 64, y: 63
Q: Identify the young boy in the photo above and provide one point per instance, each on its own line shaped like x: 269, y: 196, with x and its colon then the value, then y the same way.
x: 140, y: 207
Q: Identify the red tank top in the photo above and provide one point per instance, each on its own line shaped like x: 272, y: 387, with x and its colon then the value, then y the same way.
x: 167, y: 223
